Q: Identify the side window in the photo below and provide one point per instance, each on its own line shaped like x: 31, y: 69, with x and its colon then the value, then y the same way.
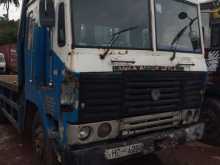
x: 61, y: 26
x: 30, y: 31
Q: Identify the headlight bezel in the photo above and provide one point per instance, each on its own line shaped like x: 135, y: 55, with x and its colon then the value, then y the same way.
x: 73, y: 132
x: 104, y: 133
x: 88, y: 132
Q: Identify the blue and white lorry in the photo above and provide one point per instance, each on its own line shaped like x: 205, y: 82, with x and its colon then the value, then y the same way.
x: 211, y: 113
x: 104, y: 80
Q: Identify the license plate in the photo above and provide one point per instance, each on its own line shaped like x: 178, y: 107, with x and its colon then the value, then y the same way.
x: 120, y: 152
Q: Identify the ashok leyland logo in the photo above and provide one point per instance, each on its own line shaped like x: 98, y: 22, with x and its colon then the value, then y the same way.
x: 155, y: 94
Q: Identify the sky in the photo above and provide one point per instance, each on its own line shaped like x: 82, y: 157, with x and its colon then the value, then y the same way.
x: 15, y: 12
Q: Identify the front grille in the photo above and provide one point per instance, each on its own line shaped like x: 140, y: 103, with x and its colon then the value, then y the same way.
x: 138, y: 99
x: 110, y: 96
x: 149, y: 123
x: 101, y: 95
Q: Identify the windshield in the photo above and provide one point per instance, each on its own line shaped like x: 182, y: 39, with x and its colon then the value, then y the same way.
x: 96, y: 21
x: 168, y: 25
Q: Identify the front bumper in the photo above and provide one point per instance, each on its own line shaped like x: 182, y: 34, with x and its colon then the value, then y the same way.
x: 95, y: 154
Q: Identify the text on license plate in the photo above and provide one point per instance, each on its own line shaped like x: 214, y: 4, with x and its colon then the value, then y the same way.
x: 120, y: 152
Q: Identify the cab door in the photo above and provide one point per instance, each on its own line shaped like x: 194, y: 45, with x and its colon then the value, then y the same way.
x: 36, y: 51
x: 29, y: 40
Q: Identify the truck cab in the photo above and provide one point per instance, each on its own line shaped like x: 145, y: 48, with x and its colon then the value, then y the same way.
x: 211, y: 29
x: 2, y: 63
x: 110, y: 79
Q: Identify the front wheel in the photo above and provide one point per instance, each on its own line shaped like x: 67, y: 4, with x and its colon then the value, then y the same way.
x: 43, y: 150
x: 2, y: 118
x: 211, y: 117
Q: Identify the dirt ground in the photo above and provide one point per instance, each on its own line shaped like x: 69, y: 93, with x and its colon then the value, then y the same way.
x: 192, y: 154
x: 13, y: 152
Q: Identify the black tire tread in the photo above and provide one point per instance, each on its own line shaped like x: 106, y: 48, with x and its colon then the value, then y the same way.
x: 50, y: 158
x: 3, y: 120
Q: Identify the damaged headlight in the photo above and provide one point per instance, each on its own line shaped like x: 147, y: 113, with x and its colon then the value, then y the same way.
x: 69, y: 92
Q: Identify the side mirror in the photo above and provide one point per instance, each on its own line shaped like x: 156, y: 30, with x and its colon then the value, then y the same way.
x: 183, y: 15
x: 47, y: 13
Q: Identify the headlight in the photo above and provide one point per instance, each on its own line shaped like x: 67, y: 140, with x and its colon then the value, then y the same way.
x: 104, y: 130
x: 85, y: 132
x: 92, y: 132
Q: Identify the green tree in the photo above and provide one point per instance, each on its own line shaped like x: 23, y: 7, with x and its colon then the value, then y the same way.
x: 8, y: 31
x: 7, y: 3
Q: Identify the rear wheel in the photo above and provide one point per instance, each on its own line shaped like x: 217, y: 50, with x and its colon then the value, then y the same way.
x: 211, y: 117
x: 43, y: 150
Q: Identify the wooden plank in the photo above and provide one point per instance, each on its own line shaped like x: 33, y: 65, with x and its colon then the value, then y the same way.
x: 9, y: 81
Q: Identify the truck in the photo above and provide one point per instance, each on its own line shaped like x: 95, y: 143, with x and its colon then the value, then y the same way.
x: 102, y: 81
x: 10, y: 55
x: 211, y: 112
x: 2, y: 64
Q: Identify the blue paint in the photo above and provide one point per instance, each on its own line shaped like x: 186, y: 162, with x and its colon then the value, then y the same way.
x: 46, y: 67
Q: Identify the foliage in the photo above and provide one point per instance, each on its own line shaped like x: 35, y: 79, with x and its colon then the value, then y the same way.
x: 8, y: 32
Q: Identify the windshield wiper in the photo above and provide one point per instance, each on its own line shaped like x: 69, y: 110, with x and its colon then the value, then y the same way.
x: 179, y: 35
x: 114, y: 38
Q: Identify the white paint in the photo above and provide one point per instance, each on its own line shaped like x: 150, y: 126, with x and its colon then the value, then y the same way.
x: 88, y: 60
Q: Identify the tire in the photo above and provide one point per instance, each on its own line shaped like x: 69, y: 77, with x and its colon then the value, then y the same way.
x: 43, y: 150
x: 3, y: 120
x: 211, y: 117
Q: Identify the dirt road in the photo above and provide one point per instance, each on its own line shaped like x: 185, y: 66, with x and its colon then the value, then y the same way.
x: 192, y: 154
x: 12, y: 151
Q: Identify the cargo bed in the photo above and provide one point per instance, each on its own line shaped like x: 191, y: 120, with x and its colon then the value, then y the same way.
x: 9, y: 81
